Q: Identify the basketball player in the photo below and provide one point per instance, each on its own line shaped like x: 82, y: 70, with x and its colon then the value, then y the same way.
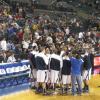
x: 66, y: 72
x: 41, y: 64
x: 87, y: 68
x: 33, y: 64
x: 55, y: 67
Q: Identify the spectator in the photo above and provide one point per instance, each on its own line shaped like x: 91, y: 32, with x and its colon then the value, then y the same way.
x: 11, y: 58
x: 3, y: 44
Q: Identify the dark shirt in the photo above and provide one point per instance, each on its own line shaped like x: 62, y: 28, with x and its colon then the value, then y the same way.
x: 40, y: 63
x: 88, y: 62
x: 66, y: 69
x: 54, y: 64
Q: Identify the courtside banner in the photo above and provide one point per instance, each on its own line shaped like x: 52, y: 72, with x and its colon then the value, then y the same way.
x: 97, y: 64
x: 14, y: 68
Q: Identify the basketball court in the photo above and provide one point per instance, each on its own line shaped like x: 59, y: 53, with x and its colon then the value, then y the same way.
x: 30, y: 95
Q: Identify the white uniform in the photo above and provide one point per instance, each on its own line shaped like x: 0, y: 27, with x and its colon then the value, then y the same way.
x: 47, y: 70
x: 41, y: 63
x: 87, y: 74
x: 66, y: 69
x: 34, y: 71
x: 55, y: 66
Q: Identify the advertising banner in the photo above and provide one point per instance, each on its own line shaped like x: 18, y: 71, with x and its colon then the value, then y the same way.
x: 97, y: 64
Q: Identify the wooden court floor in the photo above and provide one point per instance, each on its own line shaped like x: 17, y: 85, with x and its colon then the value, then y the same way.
x: 30, y: 95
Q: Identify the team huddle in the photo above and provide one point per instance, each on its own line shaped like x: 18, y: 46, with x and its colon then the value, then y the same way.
x: 54, y: 69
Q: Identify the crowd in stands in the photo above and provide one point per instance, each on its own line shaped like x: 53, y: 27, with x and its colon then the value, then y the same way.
x: 59, y: 38
x: 18, y: 33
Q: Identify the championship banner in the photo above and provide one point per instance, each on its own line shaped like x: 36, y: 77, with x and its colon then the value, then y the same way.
x: 97, y: 64
x: 14, y: 68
